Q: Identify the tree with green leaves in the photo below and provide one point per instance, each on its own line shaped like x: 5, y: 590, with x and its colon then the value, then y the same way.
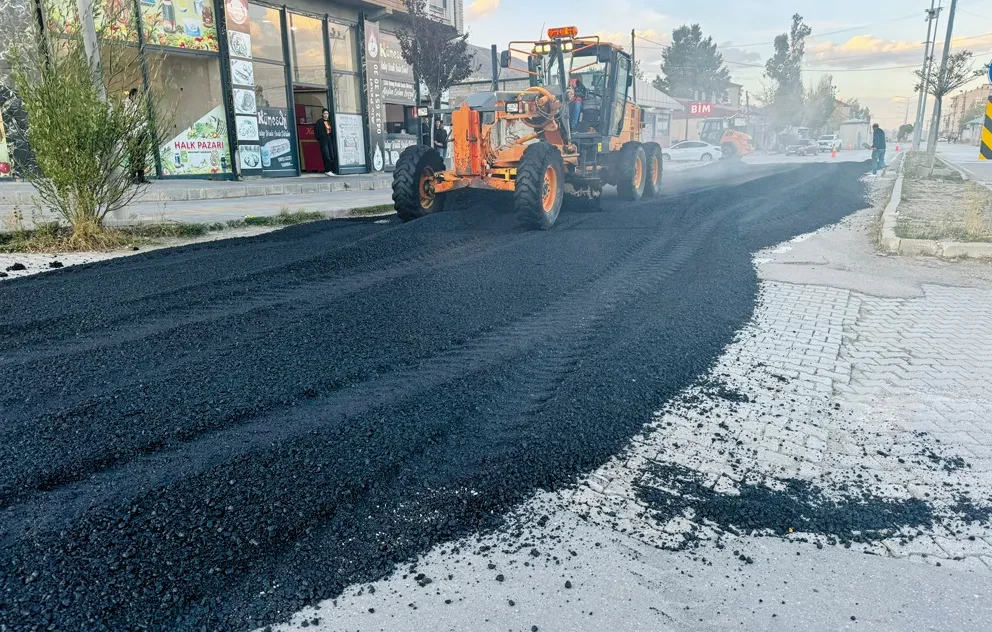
x: 821, y: 102
x: 785, y: 69
x: 87, y: 137
x: 904, y: 132
x: 438, y: 55
x: 692, y: 67
x: 959, y: 71
x: 969, y: 115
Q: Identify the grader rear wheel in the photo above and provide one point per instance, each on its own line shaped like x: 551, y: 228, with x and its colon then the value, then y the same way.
x: 632, y: 171
x: 413, y: 183
x: 655, y: 166
x: 540, y: 186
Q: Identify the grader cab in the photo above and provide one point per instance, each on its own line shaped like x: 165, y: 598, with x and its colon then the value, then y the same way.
x: 537, y: 143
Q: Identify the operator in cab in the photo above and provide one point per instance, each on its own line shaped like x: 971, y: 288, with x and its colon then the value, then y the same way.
x: 576, y: 95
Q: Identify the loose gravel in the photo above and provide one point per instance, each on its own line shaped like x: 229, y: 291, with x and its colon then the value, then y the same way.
x: 214, y: 436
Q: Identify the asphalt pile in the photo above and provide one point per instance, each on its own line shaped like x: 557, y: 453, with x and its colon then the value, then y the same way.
x: 215, y: 436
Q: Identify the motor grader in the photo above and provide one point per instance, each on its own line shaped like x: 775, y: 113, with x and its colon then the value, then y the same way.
x: 524, y: 141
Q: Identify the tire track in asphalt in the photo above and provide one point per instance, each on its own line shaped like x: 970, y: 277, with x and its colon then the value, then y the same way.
x: 341, y: 499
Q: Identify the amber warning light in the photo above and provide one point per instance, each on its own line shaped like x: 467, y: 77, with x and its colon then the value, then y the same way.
x: 564, y: 31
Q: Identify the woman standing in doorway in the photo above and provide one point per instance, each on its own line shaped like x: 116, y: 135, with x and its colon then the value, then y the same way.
x: 322, y: 132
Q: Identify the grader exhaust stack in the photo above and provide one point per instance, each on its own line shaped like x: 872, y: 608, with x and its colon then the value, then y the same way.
x: 525, y: 142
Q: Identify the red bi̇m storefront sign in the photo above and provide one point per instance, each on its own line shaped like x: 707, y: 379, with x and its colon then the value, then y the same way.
x: 700, y: 109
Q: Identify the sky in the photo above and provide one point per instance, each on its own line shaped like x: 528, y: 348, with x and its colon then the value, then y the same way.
x: 870, y: 47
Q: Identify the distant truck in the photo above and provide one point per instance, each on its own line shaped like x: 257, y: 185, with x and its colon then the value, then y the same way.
x: 829, y: 142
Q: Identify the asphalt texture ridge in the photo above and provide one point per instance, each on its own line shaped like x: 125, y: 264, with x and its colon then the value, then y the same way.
x: 212, y: 437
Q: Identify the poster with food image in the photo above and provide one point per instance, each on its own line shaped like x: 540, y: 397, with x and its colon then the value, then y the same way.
x: 242, y: 73
x: 201, y: 149
x: 247, y: 127
x: 180, y: 23
x: 251, y: 157
x: 351, y: 140
x: 113, y: 20
x: 237, y: 15
x: 240, y: 44
x: 6, y: 162
x: 275, y: 136
x: 244, y: 101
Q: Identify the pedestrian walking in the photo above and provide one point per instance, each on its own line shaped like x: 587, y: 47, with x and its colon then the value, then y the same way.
x: 440, y: 139
x: 137, y: 143
x: 877, y: 150
x: 322, y: 132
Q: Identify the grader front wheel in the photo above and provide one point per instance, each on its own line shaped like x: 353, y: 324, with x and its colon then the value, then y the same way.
x: 413, y: 183
x: 652, y: 183
x: 540, y: 186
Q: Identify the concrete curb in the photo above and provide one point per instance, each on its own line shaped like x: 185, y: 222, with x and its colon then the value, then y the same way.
x: 930, y: 247
x: 22, y: 194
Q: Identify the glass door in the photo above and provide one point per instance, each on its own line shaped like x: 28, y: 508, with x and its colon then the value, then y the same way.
x: 276, y: 131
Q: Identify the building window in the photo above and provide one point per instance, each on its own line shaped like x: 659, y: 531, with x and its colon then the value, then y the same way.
x: 266, y: 34
x: 306, y: 36
x: 189, y: 98
x: 664, y: 122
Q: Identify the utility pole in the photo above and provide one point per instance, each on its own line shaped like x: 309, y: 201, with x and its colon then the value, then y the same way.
x: 941, y: 80
x: 87, y: 28
x: 633, y: 63
x: 921, y: 106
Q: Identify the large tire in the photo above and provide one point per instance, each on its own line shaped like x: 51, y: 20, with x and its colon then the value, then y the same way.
x: 631, y: 171
x: 655, y: 169
x: 413, y: 184
x: 729, y: 151
x: 539, y: 187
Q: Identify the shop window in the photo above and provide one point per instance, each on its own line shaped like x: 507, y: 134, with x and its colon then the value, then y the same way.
x: 346, y: 93
x: 188, y: 24
x: 188, y: 93
x: 344, y: 54
x: 270, y: 85
x: 664, y: 123
x: 306, y: 36
x: 266, y: 33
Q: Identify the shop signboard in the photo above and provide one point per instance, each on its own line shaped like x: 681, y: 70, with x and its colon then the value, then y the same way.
x: 351, y: 140
x: 186, y: 24
x: 395, y: 144
x: 397, y: 74
x: 374, y: 85
x: 276, y: 139
x: 6, y: 161
x: 246, y: 127
x: 201, y: 149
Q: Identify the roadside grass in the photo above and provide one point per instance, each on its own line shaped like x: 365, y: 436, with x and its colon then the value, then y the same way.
x: 943, y: 206
x: 51, y: 236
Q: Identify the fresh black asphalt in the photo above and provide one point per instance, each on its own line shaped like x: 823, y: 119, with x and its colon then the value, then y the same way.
x: 211, y: 437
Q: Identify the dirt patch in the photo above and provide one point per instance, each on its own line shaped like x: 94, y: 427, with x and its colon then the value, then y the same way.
x: 943, y: 206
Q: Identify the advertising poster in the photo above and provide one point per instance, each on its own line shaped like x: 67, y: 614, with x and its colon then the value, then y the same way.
x: 351, y: 140
x: 277, y: 142
x: 202, y: 149
x: 247, y: 128
x: 6, y: 161
x: 395, y: 146
x: 114, y: 19
x: 237, y: 15
x: 242, y: 73
x: 251, y: 157
x: 180, y: 23
x: 397, y: 74
x: 374, y: 84
x: 244, y: 101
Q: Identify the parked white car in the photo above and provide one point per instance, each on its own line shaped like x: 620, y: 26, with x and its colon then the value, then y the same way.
x: 828, y: 142
x: 691, y: 150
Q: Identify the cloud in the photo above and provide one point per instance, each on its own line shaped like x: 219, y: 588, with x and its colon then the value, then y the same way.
x: 866, y: 51
x: 481, y: 8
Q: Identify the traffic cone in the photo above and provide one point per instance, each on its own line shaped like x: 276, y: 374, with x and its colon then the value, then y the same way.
x: 850, y: 147
x: 833, y: 152
x: 897, y: 148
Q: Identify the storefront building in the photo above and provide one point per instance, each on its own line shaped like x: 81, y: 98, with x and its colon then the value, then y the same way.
x: 243, y: 83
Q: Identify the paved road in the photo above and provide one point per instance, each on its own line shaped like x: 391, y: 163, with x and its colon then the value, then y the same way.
x: 215, y: 436
x: 966, y: 157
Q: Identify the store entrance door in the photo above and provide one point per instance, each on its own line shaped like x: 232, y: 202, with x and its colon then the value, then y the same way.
x: 309, y: 102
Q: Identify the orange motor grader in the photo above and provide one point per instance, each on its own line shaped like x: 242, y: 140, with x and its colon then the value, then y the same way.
x: 524, y: 141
